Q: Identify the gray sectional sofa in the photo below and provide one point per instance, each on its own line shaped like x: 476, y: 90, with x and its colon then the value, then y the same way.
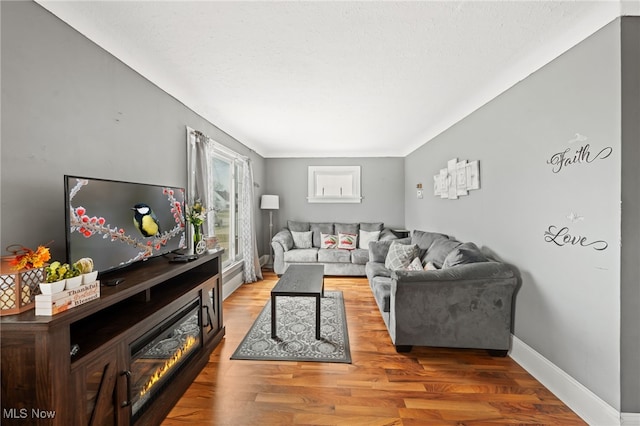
x: 306, y: 247
x: 463, y: 300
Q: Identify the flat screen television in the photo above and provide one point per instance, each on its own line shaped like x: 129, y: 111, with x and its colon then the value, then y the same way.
x: 119, y: 223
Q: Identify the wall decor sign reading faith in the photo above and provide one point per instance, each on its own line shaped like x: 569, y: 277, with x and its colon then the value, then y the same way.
x: 457, y: 179
x: 582, y: 155
x: 561, y: 237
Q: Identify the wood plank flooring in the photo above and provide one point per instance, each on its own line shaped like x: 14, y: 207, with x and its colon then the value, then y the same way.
x: 428, y: 386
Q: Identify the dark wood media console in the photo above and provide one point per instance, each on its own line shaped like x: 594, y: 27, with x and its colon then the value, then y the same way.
x: 43, y: 383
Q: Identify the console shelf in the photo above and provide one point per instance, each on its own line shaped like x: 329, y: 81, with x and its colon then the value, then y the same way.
x: 39, y: 374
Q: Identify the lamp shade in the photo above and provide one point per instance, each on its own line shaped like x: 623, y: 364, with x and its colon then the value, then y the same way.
x: 270, y: 202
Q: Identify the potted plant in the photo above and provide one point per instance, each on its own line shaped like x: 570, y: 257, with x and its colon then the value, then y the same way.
x: 85, y: 266
x: 55, y: 280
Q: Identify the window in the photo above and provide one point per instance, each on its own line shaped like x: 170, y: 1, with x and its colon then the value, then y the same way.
x: 225, y: 171
x: 334, y: 184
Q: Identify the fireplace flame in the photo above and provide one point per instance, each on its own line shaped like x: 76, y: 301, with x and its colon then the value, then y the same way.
x: 166, y: 367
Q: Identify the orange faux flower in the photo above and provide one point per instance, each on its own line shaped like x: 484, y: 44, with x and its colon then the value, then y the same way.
x: 29, y: 259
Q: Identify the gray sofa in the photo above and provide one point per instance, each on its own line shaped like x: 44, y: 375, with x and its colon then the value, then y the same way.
x: 336, y: 261
x: 463, y: 301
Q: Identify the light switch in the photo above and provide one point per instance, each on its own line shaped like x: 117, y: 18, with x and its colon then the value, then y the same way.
x: 419, y: 193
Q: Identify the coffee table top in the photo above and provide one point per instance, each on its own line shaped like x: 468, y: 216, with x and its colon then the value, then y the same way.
x: 299, y: 280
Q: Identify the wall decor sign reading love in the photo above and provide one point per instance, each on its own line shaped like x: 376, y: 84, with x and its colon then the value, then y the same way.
x: 561, y: 237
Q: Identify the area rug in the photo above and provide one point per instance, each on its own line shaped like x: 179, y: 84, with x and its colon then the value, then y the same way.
x: 296, y: 324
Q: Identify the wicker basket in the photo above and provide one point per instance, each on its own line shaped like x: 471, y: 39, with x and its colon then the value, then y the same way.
x: 18, y: 288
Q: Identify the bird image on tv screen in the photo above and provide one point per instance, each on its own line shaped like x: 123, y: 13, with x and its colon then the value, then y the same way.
x: 118, y: 223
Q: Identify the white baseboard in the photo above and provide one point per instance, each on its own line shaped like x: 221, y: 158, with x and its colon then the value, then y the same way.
x: 232, y: 284
x: 630, y: 419
x: 576, y: 396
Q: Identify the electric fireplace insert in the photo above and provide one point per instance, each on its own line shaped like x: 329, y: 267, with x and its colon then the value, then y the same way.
x: 160, y: 353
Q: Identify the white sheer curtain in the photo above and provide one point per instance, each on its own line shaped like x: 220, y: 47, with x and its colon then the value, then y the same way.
x: 248, y: 240
x: 201, y: 185
x: 200, y: 180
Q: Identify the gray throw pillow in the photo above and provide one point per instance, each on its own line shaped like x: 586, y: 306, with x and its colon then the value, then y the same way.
x: 400, y: 256
x: 301, y: 240
x: 463, y: 254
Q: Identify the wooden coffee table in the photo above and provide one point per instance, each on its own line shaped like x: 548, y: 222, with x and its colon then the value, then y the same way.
x: 303, y: 281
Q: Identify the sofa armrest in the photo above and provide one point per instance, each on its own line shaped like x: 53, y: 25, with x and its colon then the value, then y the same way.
x: 469, y: 271
x: 284, y: 239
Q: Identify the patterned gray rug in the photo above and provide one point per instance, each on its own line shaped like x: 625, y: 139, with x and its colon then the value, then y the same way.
x: 296, y: 340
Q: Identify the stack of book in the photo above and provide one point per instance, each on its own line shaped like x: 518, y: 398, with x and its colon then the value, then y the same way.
x: 51, y: 304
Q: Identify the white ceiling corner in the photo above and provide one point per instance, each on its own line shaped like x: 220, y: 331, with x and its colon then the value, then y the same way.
x: 340, y: 78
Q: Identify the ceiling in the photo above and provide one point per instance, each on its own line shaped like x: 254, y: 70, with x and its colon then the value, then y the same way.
x: 336, y: 78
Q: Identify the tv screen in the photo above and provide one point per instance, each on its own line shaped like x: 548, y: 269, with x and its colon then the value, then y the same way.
x: 118, y: 223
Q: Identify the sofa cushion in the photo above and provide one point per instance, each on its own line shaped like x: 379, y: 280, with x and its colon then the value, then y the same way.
x: 464, y: 253
x: 347, y: 241
x: 328, y: 241
x: 378, y: 249
x: 302, y: 240
x: 376, y: 226
x: 366, y: 237
x: 360, y: 256
x: 439, y: 250
x: 400, y: 255
x: 301, y: 255
x: 318, y: 229
x: 381, y: 288
x: 376, y: 269
x: 346, y: 228
x: 334, y: 256
x: 298, y: 226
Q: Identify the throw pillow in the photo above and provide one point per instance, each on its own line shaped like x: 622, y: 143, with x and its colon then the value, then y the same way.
x: 328, y: 241
x: 347, y: 241
x: 415, y: 265
x: 366, y: 237
x: 430, y: 267
x: 400, y: 256
x: 463, y: 254
x: 302, y: 240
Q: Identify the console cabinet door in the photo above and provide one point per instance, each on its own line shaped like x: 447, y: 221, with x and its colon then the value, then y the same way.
x: 101, y: 390
x: 211, y: 308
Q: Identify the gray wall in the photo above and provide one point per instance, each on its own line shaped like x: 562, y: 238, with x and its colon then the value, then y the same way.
x: 630, y: 274
x: 69, y: 107
x: 568, y: 307
x: 382, y: 181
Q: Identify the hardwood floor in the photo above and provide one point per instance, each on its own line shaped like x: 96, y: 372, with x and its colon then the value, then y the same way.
x: 428, y: 386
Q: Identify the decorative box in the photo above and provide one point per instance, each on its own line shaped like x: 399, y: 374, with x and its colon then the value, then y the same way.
x: 18, y: 289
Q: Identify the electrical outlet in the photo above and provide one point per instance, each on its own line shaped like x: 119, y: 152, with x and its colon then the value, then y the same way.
x: 419, y: 193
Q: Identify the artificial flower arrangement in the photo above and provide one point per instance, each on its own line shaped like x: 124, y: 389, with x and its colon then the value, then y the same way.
x: 60, y: 271
x: 30, y: 259
x: 196, y: 215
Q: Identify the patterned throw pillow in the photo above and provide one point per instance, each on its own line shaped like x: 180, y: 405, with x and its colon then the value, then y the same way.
x: 400, y: 256
x: 366, y: 236
x: 429, y: 266
x: 415, y: 265
x: 347, y: 241
x: 302, y: 240
x: 328, y: 241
